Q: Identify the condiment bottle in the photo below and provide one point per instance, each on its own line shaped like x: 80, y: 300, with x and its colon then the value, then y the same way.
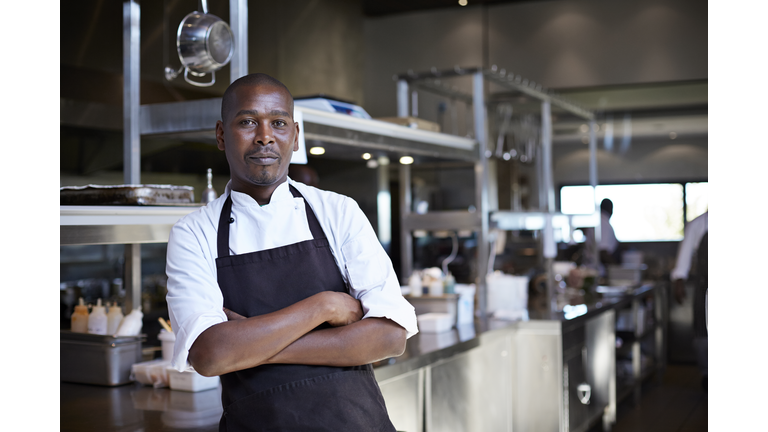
x: 97, y: 320
x: 114, y: 316
x: 131, y: 324
x: 449, y: 283
x: 209, y: 194
x: 80, y: 318
x: 415, y: 283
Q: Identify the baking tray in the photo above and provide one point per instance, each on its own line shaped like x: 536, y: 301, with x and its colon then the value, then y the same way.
x: 127, y: 195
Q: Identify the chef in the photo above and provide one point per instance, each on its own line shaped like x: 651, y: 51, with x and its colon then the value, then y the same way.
x: 282, y: 289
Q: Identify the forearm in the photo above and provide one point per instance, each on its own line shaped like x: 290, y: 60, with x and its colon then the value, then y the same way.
x: 245, y: 343
x: 359, y: 343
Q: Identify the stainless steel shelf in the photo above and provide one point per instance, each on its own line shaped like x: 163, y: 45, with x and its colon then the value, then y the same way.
x: 196, y: 120
x: 88, y: 225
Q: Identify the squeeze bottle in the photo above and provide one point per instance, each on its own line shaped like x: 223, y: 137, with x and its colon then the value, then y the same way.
x: 97, y: 320
x: 114, y: 316
x: 80, y: 318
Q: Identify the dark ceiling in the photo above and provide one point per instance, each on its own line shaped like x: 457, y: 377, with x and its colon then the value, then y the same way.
x: 375, y: 8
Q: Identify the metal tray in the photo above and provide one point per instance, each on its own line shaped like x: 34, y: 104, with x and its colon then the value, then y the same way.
x: 127, y: 195
x: 95, y: 359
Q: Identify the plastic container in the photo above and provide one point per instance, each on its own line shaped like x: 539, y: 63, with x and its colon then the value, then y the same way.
x: 168, y: 340
x: 97, y: 320
x: 191, y: 381
x: 434, y: 322
x: 153, y: 372
x: 449, y: 284
x: 79, y: 321
x: 465, y: 311
x: 114, y: 317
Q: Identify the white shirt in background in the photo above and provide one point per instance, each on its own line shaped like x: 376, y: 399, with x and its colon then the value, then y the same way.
x: 608, y: 241
x: 194, y: 299
x: 694, y: 231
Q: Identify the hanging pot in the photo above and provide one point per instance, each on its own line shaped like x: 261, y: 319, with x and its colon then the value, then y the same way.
x: 205, y: 44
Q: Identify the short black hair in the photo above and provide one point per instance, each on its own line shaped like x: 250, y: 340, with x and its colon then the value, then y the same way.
x: 251, y: 80
x: 606, y: 206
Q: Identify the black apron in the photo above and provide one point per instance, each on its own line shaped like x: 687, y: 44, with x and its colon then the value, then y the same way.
x: 283, y: 397
x: 700, y: 290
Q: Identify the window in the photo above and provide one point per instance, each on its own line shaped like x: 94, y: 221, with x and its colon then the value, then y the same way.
x: 696, y: 200
x: 641, y: 212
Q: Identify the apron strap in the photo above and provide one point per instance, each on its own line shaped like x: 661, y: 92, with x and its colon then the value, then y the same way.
x: 314, y: 225
x: 222, y: 240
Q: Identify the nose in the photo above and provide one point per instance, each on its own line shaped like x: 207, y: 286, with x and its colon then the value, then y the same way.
x: 264, y: 134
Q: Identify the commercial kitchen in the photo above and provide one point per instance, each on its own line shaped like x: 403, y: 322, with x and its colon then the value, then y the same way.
x: 478, y: 137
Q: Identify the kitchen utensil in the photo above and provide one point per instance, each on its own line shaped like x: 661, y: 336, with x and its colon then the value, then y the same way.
x: 165, y: 324
x: 205, y: 44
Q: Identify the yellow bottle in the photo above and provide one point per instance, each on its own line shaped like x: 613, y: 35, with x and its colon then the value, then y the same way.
x: 80, y: 318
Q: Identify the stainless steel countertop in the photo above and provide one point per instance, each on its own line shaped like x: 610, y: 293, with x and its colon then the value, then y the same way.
x: 137, y: 407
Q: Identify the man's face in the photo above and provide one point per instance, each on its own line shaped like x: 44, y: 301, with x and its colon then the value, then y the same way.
x: 258, y: 137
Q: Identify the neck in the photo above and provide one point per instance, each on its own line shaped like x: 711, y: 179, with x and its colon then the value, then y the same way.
x: 261, y: 194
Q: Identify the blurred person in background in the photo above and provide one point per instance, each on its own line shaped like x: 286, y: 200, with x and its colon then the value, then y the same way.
x: 694, y: 244
x: 609, y: 245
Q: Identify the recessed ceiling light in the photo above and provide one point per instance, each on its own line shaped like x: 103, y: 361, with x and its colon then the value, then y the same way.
x: 462, y: 2
x: 406, y: 160
x: 584, y: 128
x: 316, y: 150
x: 366, y: 156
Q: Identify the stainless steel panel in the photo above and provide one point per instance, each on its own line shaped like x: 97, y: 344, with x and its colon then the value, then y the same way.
x: 404, y: 397
x: 473, y: 391
x: 537, y: 386
x: 441, y: 220
x: 113, y: 234
x: 448, y: 407
x: 600, y: 365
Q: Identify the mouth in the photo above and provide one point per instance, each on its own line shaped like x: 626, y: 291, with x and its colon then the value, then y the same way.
x: 262, y: 158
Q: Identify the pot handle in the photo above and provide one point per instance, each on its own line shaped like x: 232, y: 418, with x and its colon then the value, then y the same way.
x: 199, y: 84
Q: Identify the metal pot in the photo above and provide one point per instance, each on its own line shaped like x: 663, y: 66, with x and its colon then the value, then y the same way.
x: 205, y: 44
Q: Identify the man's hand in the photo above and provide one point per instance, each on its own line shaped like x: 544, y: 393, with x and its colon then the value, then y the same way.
x: 232, y: 316
x: 344, y: 309
x: 678, y: 286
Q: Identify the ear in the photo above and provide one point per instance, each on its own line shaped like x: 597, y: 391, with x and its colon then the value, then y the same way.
x: 296, y: 138
x: 220, y: 135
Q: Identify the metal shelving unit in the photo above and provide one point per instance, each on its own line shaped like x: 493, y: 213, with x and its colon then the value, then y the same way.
x: 487, y: 215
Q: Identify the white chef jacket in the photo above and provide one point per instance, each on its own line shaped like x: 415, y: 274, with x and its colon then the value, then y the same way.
x: 608, y: 241
x: 694, y: 232
x: 194, y: 298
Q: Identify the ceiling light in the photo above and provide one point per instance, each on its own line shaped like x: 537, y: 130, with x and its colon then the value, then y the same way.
x: 672, y: 135
x: 584, y: 128
x: 406, y: 160
x: 366, y: 156
x: 316, y: 151
x: 462, y: 2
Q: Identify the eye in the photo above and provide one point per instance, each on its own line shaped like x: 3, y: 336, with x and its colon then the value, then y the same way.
x: 280, y: 123
x: 247, y: 122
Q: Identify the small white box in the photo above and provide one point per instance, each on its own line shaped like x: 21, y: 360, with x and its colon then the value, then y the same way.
x: 434, y: 322
x: 191, y: 381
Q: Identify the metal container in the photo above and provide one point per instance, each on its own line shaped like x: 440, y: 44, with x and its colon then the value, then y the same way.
x: 446, y: 303
x: 127, y: 195
x: 97, y: 359
x: 205, y: 44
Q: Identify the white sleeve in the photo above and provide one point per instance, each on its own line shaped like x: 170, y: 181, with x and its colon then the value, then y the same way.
x: 194, y: 299
x: 369, y: 270
x: 691, y: 238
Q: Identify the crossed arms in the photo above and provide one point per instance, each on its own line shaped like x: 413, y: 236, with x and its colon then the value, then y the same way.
x: 286, y: 336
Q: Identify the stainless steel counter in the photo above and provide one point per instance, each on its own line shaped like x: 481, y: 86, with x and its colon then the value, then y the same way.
x: 440, y: 380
